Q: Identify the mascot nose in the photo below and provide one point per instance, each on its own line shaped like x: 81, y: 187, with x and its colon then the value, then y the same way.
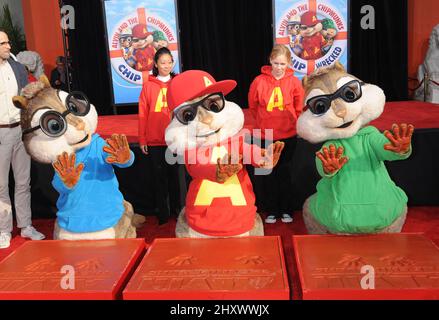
x: 204, y: 116
x: 80, y: 125
x: 339, y: 109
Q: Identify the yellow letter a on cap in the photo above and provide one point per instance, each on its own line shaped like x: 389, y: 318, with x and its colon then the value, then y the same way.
x: 207, y: 82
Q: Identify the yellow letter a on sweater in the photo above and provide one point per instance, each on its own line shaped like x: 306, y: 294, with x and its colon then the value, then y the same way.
x: 210, y: 190
x: 276, y: 100
x: 161, y: 100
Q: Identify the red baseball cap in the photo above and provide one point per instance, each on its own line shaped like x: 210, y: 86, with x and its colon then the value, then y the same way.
x: 140, y: 31
x: 191, y: 84
x: 309, y: 19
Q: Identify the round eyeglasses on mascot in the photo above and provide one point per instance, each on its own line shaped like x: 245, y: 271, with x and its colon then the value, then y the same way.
x: 355, y: 194
x: 206, y: 131
x: 59, y: 128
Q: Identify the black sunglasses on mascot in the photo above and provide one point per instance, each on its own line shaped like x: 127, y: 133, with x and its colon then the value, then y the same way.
x: 350, y: 92
x: 54, y: 124
x: 187, y: 113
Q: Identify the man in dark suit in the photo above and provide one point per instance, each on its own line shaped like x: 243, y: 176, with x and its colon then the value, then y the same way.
x: 13, y: 77
x: 58, y: 76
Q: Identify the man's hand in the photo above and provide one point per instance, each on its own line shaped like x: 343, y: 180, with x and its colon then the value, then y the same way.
x: 332, y: 159
x: 400, y: 138
x: 144, y: 149
x: 118, y: 148
x: 227, y: 167
x: 65, y: 167
x: 271, y: 155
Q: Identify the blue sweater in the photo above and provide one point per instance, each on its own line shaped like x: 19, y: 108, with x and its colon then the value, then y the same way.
x: 95, y: 202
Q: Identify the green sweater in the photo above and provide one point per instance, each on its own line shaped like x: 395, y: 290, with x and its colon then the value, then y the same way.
x: 361, y: 197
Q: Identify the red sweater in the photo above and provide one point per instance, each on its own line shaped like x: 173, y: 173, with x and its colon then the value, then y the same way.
x: 220, y: 209
x: 276, y: 104
x: 154, y: 115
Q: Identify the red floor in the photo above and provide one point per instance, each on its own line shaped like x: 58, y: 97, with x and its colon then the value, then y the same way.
x: 419, y: 219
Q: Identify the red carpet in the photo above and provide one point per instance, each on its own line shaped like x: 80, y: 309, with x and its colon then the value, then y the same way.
x: 422, y: 115
x: 419, y: 219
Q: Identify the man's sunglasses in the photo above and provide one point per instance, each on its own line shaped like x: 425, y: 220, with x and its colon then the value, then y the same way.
x: 350, y: 92
x: 187, y: 113
x: 54, y: 124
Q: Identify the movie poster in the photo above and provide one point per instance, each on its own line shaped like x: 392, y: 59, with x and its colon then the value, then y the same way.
x: 315, y: 31
x: 136, y: 29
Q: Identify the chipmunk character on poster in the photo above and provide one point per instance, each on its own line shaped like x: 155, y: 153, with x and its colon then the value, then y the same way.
x: 205, y: 129
x: 355, y: 194
x: 59, y: 128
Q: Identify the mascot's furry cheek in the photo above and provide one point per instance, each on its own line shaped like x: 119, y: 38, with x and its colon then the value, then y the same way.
x: 373, y: 101
x: 316, y: 129
x: 92, y: 119
x: 230, y: 120
x: 177, y: 137
x: 311, y: 128
x: 46, y: 150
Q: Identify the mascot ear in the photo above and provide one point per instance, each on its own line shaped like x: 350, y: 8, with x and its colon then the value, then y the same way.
x: 20, y: 102
x: 45, y: 81
x: 339, y: 66
x: 305, y: 81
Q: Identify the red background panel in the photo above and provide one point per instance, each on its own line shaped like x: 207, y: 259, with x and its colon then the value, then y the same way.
x: 421, y: 114
x: 42, y: 27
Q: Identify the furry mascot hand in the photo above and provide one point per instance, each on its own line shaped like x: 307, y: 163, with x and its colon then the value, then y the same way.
x: 400, y: 138
x: 65, y: 167
x: 271, y: 155
x: 332, y: 161
x: 227, y: 167
x: 118, y: 149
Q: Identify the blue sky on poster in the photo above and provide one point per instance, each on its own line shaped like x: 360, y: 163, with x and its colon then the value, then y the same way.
x: 113, y: 8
